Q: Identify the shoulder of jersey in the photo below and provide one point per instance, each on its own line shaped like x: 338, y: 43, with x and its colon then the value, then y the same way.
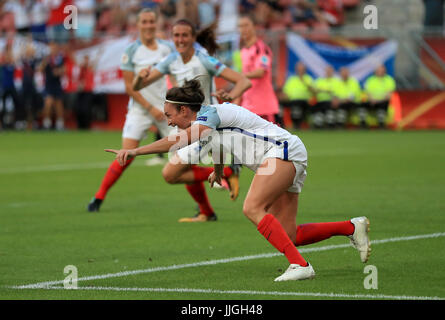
x: 130, y: 50
x: 206, y: 56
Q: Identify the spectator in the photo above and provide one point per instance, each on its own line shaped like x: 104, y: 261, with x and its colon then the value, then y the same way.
x: 39, y: 16
x: 85, y: 86
x: 31, y: 97
x: 86, y: 19
x: 297, y: 93
x: 118, y: 18
x: 322, y: 112
x: 11, y: 112
x: 306, y: 11
x: 55, y: 28
x: 332, y: 11
x: 256, y: 59
x: 53, y: 69
x: 20, y: 10
x: 69, y: 79
x: 379, y: 89
x: 347, y: 94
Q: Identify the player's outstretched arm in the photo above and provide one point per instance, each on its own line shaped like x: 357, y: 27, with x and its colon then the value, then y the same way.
x: 171, y: 143
x: 241, y: 85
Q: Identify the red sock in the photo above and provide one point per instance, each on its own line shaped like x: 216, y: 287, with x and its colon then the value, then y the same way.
x: 314, y: 232
x: 198, y: 192
x: 227, y: 172
x: 201, y: 173
x: 113, y: 173
x: 272, y: 230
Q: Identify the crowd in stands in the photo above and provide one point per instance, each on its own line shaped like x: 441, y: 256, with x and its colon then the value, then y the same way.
x: 95, y: 18
x: 69, y: 85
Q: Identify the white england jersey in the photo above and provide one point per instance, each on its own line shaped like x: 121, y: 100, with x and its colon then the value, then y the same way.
x: 137, y: 57
x: 250, y: 138
x: 200, y: 64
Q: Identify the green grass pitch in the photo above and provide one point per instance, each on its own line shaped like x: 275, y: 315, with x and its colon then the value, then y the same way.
x: 396, y: 179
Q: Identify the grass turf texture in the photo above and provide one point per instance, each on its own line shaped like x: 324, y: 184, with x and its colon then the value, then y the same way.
x: 397, y: 179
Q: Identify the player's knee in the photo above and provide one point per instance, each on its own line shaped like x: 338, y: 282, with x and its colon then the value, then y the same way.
x: 252, y: 210
x: 169, y: 176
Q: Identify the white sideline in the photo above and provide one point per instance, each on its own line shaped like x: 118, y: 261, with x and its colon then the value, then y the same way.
x: 253, y: 292
x: 47, y: 284
x: 61, y: 167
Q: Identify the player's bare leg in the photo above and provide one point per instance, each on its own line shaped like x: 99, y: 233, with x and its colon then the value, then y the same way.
x: 176, y: 172
x: 264, y: 191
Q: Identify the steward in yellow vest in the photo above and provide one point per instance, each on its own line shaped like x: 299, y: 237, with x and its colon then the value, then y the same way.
x: 322, y: 112
x: 297, y: 93
x: 378, y: 89
x: 347, y: 94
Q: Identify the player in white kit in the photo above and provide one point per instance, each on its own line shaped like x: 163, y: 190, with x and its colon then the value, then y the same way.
x: 279, y: 160
x: 144, y: 107
x: 187, y: 63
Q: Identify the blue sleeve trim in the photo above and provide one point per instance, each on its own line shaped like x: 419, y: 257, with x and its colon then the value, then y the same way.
x: 163, y: 65
x: 208, y: 116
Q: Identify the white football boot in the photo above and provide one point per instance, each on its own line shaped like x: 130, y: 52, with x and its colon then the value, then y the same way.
x: 297, y: 272
x: 360, y: 238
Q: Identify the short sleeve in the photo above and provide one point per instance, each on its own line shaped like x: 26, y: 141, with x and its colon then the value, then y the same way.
x: 208, y: 116
x: 212, y: 65
x: 127, y: 58
x: 263, y: 61
x: 263, y: 57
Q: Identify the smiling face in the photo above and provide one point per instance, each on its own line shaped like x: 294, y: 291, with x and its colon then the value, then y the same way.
x: 182, y: 118
x: 147, y: 26
x: 183, y: 38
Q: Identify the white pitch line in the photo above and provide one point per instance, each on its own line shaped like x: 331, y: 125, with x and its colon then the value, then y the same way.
x: 47, y: 284
x: 253, y: 292
x: 60, y: 167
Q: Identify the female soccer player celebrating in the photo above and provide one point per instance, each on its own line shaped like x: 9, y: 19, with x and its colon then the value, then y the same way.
x: 278, y: 158
x: 184, y: 64
x: 145, y: 107
x: 145, y: 110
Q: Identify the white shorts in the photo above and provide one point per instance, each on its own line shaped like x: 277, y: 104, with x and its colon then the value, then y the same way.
x: 195, y: 153
x: 300, y: 167
x: 300, y: 176
x: 137, y: 123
